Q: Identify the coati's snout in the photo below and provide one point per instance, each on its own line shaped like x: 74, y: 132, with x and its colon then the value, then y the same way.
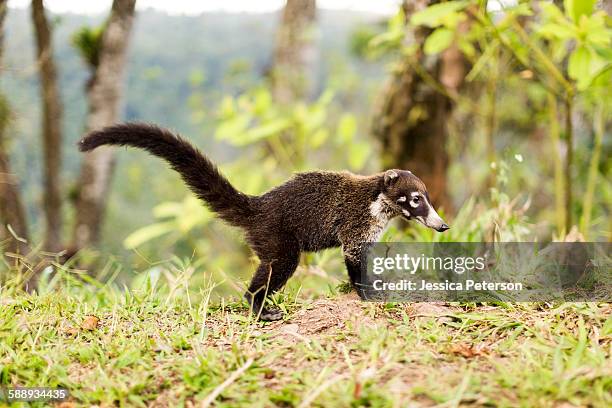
x: 407, y: 196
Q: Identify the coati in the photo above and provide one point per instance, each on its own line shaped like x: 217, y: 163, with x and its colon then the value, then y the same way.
x: 310, y: 212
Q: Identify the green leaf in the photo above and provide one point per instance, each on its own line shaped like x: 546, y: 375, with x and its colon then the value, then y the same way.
x: 263, y: 101
x: 560, y: 31
x: 272, y: 128
x: 520, y: 10
x: 467, y: 48
x: 167, y: 210
x: 576, y: 8
x: 438, y: 41
x: 347, y: 127
x: 232, y: 128
x: 595, y: 29
x: 318, y: 138
x: 358, y: 154
x: 313, y: 118
x: 584, y: 65
x: 552, y: 12
x: 144, y: 234
x: 192, y: 215
x: 396, y: 23
x: 579, y: 61
x: 434, y: 16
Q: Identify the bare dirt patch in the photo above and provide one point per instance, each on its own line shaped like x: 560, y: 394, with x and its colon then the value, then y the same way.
x: 329, y: 315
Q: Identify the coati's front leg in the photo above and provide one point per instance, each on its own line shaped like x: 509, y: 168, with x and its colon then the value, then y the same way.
x: 353, y: 259
x: 353, y: 267
x: 271, y: 275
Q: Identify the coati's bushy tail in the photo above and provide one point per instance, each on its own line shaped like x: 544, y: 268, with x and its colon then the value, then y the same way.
x: 198, y: 172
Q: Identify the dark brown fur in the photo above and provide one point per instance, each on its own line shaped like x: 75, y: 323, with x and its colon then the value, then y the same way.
x: 310, y: 212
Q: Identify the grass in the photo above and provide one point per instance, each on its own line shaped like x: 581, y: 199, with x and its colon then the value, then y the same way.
x: 157, y: 347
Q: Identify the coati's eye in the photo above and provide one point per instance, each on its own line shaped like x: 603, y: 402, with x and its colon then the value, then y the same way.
x: 416, y: 199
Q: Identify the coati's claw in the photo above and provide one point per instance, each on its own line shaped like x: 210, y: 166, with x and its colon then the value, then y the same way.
x: 271, y: 314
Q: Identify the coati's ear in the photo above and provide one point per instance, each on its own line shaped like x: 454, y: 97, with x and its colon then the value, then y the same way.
x: 390, y: 177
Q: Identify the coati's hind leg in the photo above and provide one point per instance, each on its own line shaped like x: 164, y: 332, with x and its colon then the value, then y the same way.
x: 271, y: 275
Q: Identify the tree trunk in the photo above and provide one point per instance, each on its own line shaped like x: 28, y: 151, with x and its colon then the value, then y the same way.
x: 294, y: 51
x: 104, y: 96
x: 51, y: 132
x: 12, y: 212
x: 411, y: 120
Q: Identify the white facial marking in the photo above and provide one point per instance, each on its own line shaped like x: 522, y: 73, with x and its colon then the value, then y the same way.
x: 392, y: 174
x: 406, y: 213
x: 402, y: 199
x: 414, y: 195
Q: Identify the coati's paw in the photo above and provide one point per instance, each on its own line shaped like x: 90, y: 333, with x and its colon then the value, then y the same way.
x: 271, y: 314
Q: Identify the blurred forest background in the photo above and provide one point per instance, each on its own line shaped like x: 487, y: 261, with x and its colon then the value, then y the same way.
x: 502, y: 108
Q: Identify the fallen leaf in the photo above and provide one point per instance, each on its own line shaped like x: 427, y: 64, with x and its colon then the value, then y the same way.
x: 90, y: 323
x: 66, y: 404
x: 469, y: 350
x: 72, y: 331
x: 357, y: 390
